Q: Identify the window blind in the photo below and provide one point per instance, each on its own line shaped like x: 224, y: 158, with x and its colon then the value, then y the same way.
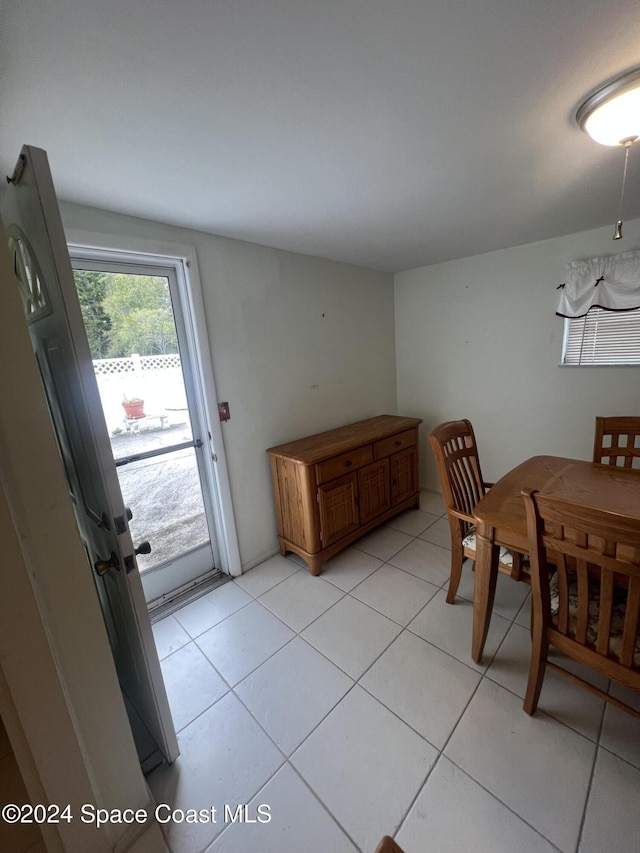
x: 603, y: 337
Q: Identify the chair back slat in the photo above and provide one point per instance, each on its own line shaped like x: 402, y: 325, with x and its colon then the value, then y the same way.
x: 632, y: 617
x: 606, y: 607
x: 582, y: 618
x: 597, y: 555
x: 563, y: 595
x: 617, y: 441
x: 464, y: 481
x: 456, y: 454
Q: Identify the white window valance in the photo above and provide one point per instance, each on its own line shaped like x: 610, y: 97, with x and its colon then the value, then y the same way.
x: 612, y: 283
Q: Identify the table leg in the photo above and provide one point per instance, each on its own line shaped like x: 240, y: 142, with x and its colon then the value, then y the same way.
x: 486, y: 572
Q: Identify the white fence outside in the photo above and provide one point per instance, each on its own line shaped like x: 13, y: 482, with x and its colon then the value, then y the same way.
x: 156, y: 379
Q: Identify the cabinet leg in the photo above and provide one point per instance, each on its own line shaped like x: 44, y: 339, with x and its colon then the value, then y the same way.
x: 283, y: 548
x: 315, y: 566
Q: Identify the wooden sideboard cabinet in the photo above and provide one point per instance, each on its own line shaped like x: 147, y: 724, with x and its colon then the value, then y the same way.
x: 333, y: 487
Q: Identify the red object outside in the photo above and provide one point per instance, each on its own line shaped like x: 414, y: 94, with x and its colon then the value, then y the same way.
x: 134, y: 410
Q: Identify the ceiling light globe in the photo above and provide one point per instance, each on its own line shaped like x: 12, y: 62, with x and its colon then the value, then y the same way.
x: 615, y: 120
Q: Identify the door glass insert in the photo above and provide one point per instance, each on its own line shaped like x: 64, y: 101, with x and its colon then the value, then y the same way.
x: 32, y: 289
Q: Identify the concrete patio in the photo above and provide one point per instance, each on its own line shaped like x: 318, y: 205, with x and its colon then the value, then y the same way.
x: 163, y: 493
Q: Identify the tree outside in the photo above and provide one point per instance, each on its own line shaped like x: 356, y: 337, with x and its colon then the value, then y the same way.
x: 124, y: 314
x: 92, y: 289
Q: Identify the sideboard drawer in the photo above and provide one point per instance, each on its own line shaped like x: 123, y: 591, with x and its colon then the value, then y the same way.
x: 397, y: 442
x: 344, y: 463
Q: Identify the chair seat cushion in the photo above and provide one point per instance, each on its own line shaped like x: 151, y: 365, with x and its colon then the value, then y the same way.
x: 506, y: 557
x: 617, y: 615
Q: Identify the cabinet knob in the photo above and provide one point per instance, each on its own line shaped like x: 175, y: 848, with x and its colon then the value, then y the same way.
x: 397, y: 443
x: 348, y: 463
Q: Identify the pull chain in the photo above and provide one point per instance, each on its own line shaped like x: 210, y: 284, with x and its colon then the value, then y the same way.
x: 617, y: 234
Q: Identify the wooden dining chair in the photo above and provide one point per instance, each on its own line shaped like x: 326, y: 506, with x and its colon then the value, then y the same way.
x: 587, y: 604
x: 617, y: 441
x: 456, y: 453
x: 388, y: 845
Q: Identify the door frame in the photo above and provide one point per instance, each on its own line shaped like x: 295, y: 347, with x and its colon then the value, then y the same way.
x: 182, y: 257
x: 169, y: 580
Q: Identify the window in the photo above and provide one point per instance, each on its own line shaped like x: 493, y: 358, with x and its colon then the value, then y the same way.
x: 602, y: 337
x: 600, y: 300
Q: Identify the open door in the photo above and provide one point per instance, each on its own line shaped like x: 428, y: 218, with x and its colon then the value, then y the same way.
x: 41, y: 262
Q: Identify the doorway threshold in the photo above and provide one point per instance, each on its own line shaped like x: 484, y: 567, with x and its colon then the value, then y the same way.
x: 163, y: 607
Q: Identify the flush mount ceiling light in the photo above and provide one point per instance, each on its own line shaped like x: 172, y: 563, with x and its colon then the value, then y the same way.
x: 611, y: 116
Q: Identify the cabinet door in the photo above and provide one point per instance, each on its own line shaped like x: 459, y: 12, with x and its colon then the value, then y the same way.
x: 338, y: 504
x: 404, y: 474
x: 373, y: 489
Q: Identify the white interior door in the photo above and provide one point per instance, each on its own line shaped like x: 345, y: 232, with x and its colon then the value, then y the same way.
x: 38, y: 246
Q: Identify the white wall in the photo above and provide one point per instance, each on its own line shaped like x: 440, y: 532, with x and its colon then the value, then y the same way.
x: 299, y: 345
x: 478, y: 338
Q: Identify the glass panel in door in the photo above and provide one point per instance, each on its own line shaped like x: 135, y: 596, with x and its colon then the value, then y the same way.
x: 148, y: 399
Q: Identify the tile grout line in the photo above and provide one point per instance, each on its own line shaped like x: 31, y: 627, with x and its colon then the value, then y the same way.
x: 591, y: 776
x: 219, y: 622
x: 487, y: 676
x: 483, y: 674
x: 506, y: 806
x: 257, y: 666
x: 231, y: 688
x: 441, y: 751
x: 333, y: 707
x: 322, y: 803
x: 355, y: 682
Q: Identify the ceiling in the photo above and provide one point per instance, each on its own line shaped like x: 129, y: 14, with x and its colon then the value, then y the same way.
x: 386, y: 133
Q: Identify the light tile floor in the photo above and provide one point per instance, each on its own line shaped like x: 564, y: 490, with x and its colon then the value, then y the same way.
x: 349, y: 705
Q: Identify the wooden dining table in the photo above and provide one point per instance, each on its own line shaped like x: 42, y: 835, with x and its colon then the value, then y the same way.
x: 500, y: 516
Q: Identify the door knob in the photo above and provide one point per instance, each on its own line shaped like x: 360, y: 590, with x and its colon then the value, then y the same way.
x: 143, y: 548
x: 103, y: 566
x: 128, y: 513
